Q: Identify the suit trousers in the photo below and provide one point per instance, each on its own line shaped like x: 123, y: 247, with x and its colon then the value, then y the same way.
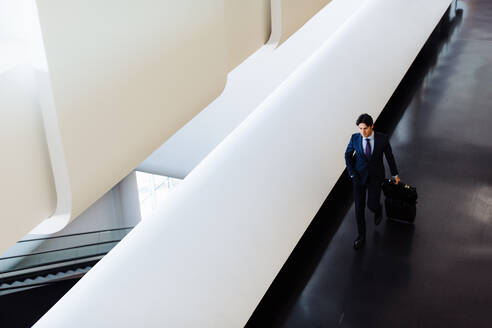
x: 372, y: 188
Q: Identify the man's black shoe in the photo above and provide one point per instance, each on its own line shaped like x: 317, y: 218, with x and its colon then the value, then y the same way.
x: 378, y: 216
x: 359, y: 242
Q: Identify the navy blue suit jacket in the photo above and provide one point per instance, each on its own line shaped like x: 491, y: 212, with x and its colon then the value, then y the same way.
x: 362, y: 167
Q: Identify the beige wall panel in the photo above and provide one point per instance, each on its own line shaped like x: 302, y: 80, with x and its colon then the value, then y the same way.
x: 297, y: 12
x: 125, y: 76
x: 28, y: 194
x: 248, y: 27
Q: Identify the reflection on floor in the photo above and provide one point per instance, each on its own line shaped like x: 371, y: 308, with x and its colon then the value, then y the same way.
x: 438, y: 272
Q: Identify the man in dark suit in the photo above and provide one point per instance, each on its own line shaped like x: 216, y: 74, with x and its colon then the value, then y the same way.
x: 366, y: 169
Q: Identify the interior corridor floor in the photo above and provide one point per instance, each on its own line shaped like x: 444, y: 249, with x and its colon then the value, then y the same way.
x: 437, y: 272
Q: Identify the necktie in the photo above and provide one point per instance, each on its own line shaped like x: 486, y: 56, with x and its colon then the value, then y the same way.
x: 368, y: 148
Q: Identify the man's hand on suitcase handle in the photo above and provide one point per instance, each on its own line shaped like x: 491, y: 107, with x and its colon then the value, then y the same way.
x: 397, y: 179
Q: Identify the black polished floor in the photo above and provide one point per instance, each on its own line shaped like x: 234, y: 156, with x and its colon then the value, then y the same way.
x: 438, y: 272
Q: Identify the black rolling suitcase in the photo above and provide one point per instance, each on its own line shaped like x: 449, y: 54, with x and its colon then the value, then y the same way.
x: 400, y: 201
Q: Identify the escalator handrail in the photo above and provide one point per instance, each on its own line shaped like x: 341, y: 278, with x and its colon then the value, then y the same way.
x: 75, y: 234
x: 60, y: 249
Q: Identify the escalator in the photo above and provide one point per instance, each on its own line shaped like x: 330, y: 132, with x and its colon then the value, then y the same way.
x: 36, y: 273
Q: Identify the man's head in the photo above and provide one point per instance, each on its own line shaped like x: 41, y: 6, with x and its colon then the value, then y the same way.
x: 365, y: 124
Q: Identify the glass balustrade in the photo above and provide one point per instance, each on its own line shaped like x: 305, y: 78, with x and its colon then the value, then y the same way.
x: 32, y: 253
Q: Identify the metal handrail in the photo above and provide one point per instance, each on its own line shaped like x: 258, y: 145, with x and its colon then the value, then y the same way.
x: 47, y: 261
x: 74, y: 234
x: 61, y: 249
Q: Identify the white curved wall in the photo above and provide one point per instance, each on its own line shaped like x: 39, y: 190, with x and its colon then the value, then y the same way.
x: 247, y: 87
x: 27, y: 194
x: 212, y: 250
x: 123, y: 78
x: 122, y: 75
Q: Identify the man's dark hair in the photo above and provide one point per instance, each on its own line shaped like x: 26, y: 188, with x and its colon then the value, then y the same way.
x: 366, y: 119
